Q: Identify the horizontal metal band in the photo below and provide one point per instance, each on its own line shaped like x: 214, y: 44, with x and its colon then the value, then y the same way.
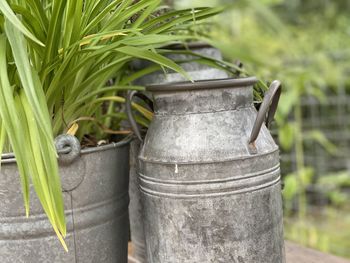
x: 241, y: 158
x: 38, y: 226
x: 8, y: 158
x: 165, y: 115
x: 203, y: 84
x: 216, y: 187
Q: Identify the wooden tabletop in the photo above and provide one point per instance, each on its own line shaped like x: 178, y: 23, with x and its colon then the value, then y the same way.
x: 299, y: 254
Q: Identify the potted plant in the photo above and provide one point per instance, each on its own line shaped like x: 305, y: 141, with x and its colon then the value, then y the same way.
x: 56, y: 59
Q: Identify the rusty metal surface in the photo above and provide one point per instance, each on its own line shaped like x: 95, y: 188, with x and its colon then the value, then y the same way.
x: 206, y: 198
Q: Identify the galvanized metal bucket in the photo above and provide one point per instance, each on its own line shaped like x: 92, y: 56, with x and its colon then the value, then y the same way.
x: 197, y: 72
x: 95, y: 184
x: 209, y: 175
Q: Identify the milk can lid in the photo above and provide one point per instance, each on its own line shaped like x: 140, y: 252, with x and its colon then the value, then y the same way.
x: 203, y: 84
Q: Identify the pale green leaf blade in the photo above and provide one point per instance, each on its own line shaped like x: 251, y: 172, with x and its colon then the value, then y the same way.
x: 2, y: 139
x: 154, y: 57
x: 45, y: 176
x: 38, y: 174
x: 11, y: 123
x: 29, y: 79
x: 11, y: 16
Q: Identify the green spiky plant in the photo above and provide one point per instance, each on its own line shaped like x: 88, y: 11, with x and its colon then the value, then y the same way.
x: 56, y: 57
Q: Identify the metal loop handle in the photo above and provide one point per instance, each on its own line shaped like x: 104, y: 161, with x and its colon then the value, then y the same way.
x: 128, y: 109
x: 64, y: 142
x: 269, y: 107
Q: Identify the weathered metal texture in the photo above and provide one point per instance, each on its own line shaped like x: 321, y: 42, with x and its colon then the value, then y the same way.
x: 197, y: 72
x: 96, y: 202
x: 135, y: 206
x: 206, y: 196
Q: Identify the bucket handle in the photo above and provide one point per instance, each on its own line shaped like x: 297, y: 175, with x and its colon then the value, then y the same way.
x: 128, y: 108
x: 68, y: 148
x: 268, y: 107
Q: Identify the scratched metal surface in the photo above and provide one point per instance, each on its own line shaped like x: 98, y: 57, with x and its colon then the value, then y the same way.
x: 206, y: 197
x: 197, y: 72
x: 96, y: 200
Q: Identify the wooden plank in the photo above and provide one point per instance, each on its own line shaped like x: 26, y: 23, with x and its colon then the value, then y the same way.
x: 299, y: 254
x: 132, y: 260
x: 296, y: 254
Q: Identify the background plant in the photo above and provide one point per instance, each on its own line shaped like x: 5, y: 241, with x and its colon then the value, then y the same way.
x: 56, y: 60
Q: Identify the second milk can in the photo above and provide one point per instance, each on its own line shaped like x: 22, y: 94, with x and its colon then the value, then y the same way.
x: 196, y: 71
x: 210, y: 176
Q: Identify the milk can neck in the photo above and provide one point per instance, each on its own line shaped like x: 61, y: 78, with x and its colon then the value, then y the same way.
x: 202, y: 97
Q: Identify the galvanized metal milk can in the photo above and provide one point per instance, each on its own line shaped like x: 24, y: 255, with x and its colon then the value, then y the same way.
x: 197, y: 72
x: 135, y: 207
x: 209, y: 175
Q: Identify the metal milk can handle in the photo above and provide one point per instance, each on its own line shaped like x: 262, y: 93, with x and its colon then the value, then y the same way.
x: 128, y: 108
x: 268, y: 107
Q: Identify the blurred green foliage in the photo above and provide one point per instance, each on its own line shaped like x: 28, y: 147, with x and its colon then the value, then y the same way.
x: 305, y: 44
x: 326, y: 230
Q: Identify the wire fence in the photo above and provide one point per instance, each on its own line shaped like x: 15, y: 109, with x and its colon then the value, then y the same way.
x: 332, y: 118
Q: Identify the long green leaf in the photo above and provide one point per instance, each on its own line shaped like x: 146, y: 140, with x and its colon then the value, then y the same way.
x: 154, y: 39
x: 146, y: 113
x: 183, y: 18
x: 29, y: 80
x: 38, y: 10
x: 42, y: 88
x: 30, y: 21
x: 40, y: 145
x: 2, y: 139
x: 10, y: 15
x: 11, y: 123
x: 145, y: 14
x: 45, y: 175
x: 54, y: 32
x: 96, y: 19
x: 161, y: 60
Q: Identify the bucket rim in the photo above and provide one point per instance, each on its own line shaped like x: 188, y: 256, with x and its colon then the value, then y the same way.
x: 8, y: 158
x: 203, y: 84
